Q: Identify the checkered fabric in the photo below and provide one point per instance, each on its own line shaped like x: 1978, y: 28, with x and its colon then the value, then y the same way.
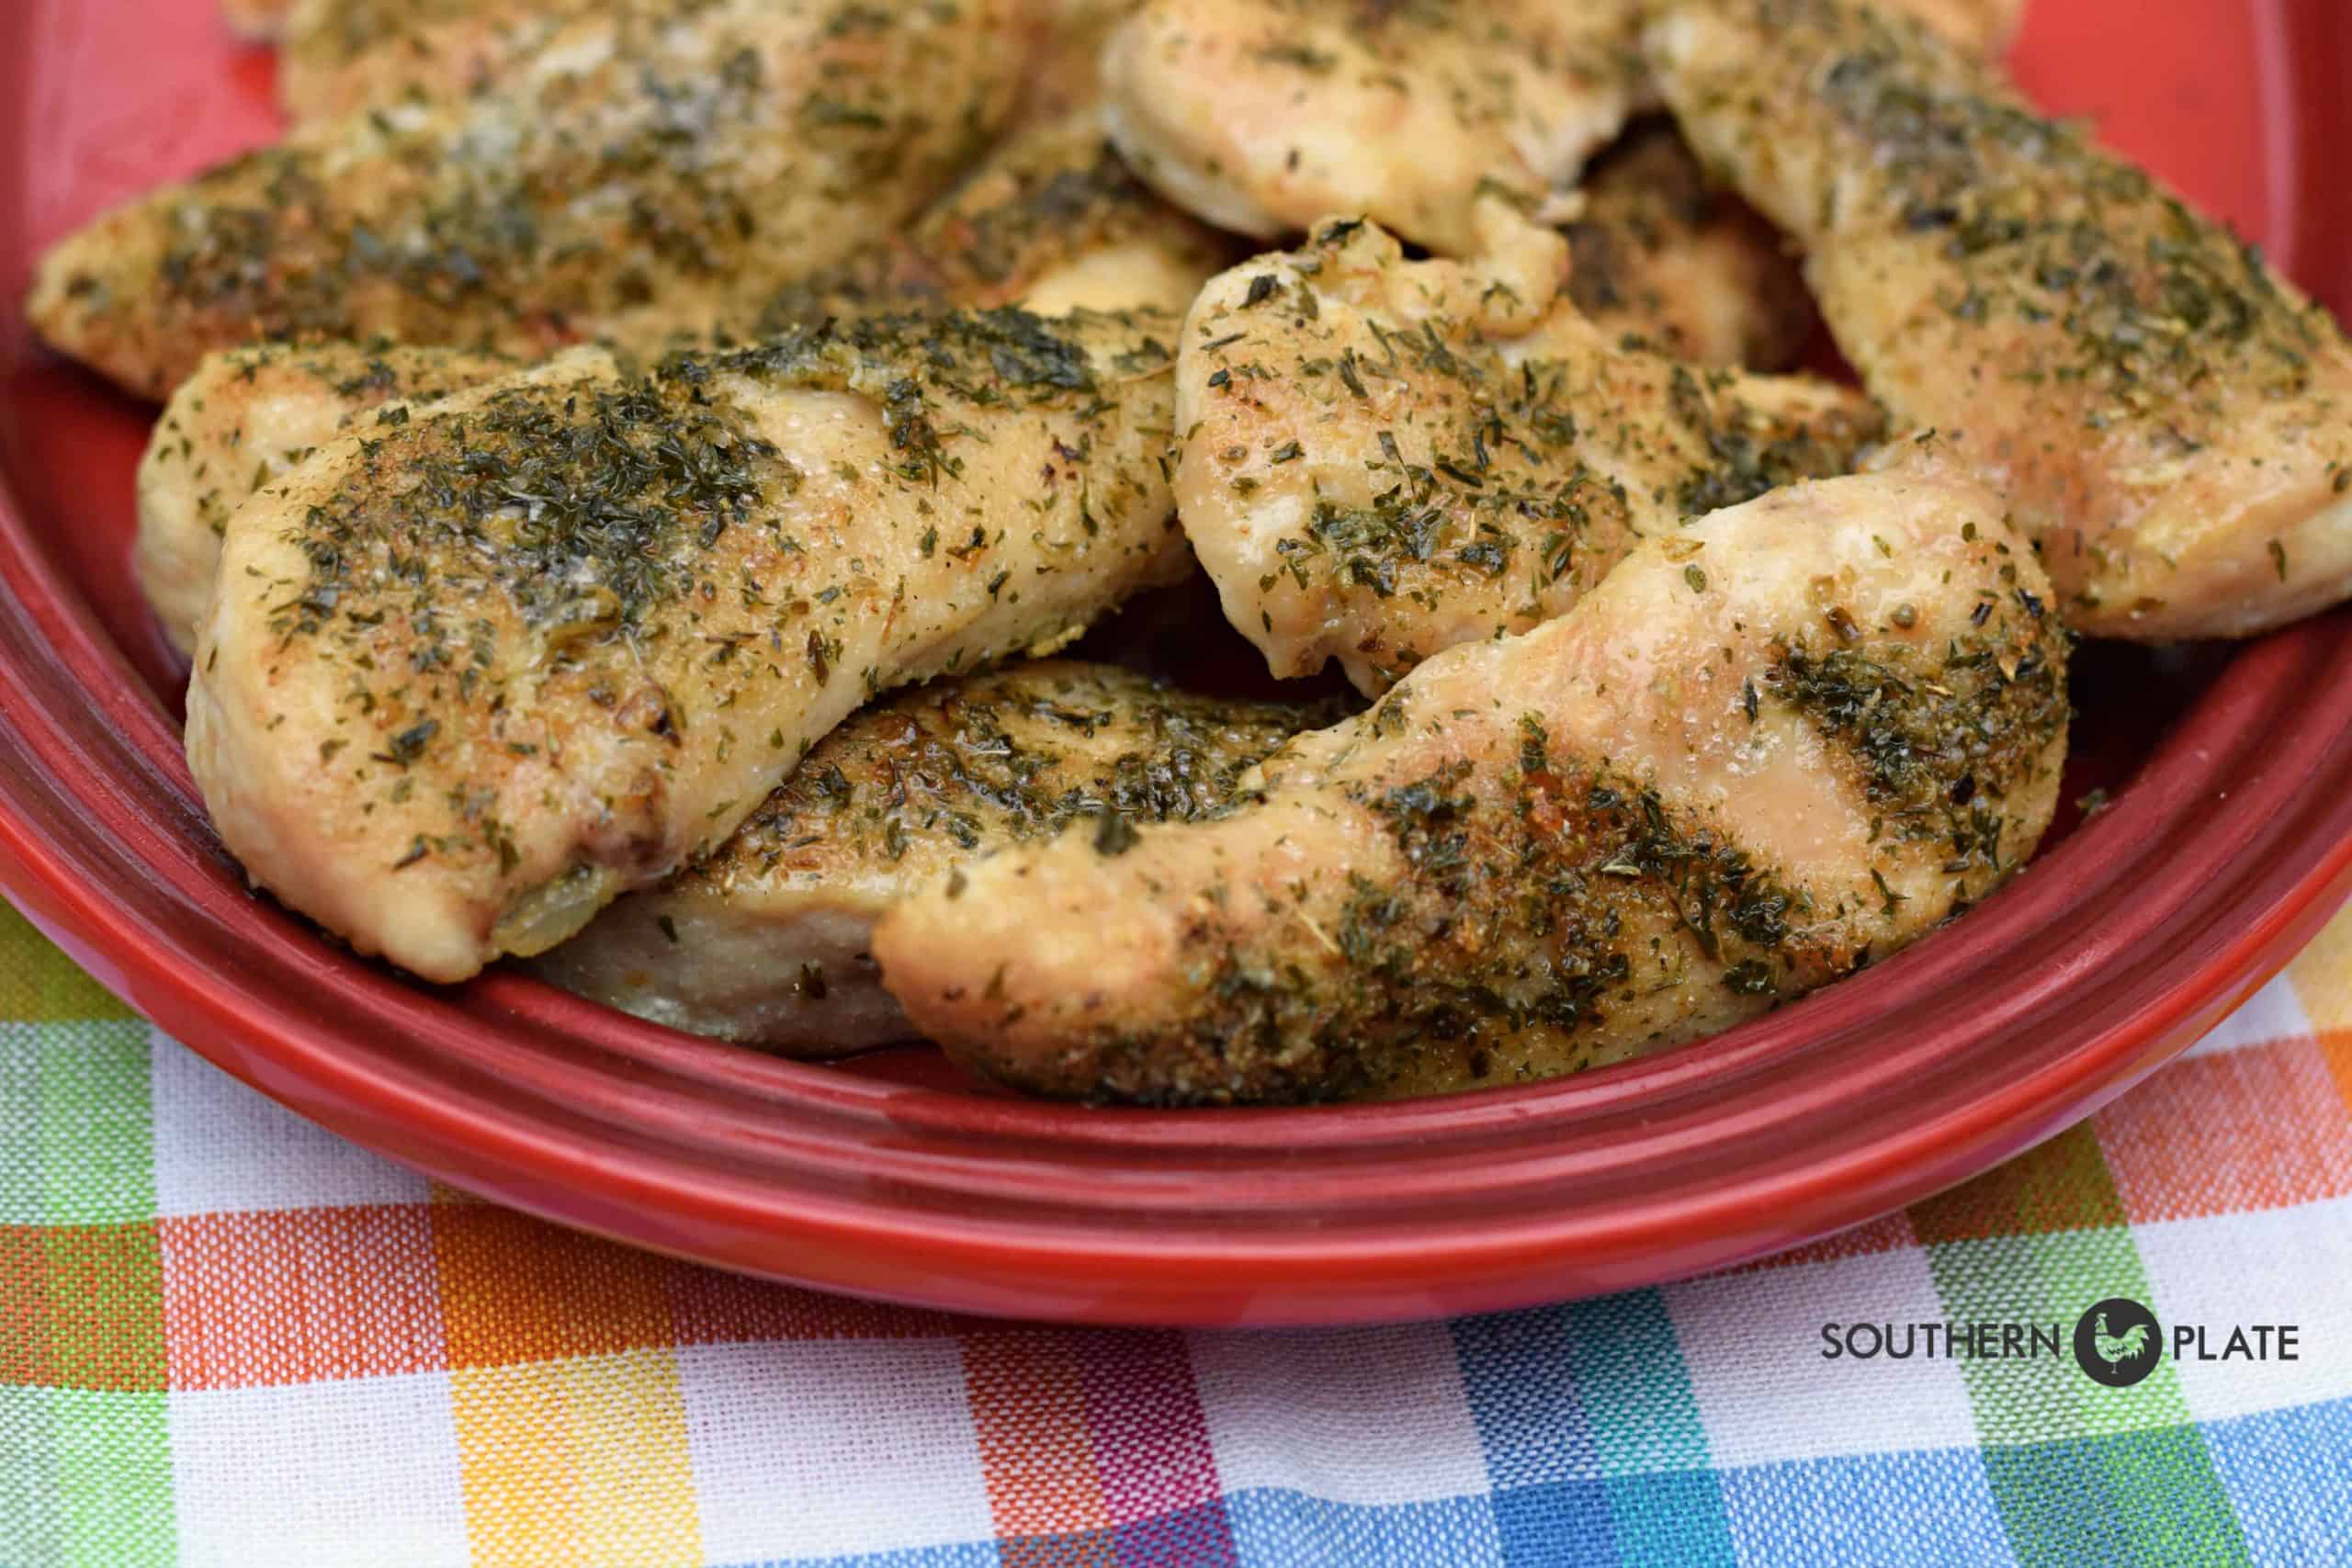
x: 227, y: 1337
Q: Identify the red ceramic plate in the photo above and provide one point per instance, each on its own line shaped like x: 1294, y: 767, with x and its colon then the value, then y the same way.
x: 2228, y: 843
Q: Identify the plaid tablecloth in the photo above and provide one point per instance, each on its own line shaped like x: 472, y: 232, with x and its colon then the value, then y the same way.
x: 227, y: 1337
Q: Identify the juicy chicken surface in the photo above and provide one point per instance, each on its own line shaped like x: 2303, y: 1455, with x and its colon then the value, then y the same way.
x: 655, y: 162
x: 2169, y: 420
x: 765, y: 942
x: 245, y: 420
x: 1767, y: 752
x: 1268, y: 115
x: 471, y: 674
x: 1664, y: 255
x: 1383, y: 458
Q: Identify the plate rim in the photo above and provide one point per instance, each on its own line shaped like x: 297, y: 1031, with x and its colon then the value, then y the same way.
x: 96, y: 801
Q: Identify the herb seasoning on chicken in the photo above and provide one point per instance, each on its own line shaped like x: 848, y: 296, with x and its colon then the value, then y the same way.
x: 1267, y: 116
x: 242, y: 422
x: 2168, y: 420
x: 764, y: 942
x: 1765, y: 752
x: 470, y: 675
x: 1051, y: 220
x: 1667, y: 260
x: 661, y: 162
x: 341, y: 57
x: 1383, y: 458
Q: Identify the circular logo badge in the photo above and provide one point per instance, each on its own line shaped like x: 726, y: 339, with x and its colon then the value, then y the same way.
x: 2116, y: 1342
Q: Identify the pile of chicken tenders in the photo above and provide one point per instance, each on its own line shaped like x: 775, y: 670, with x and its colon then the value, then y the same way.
x: 633, y: 471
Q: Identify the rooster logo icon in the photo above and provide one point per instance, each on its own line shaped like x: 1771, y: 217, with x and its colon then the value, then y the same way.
x: 2116, y: 1342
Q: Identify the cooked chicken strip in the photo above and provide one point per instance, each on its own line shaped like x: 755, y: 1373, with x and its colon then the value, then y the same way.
x: 765, y: 943
x: 1268, y: 115
x: 1664, y: 255
x: 641, y: 161
x: 342, y: 57
x: 1051, y: 220
x: 2168, y: 420
x: 243, y: 420
x: 1766, y: 753
x: 1383, y: 458
x: 468, y: 677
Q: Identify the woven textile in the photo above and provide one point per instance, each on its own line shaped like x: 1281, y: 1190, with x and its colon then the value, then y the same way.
x: 227, y: 1337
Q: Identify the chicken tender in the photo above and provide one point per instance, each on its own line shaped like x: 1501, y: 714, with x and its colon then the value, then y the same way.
x: 1052, y: 220
x: 2168, y: 420
x: 340, y: 57
x: 471, y: 674
x: 1770, y: 749
x: 1383, y: 458
x: 1267, y: 116
x: 242, y: 421
x: 657, y: 163
x: 1664, y: 255
x: 765, y: 943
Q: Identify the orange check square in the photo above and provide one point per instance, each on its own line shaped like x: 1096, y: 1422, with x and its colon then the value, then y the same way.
x: 516, y: 1290
x: 260, y: 1300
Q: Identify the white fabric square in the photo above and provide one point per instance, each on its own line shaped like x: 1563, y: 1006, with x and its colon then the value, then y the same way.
x: 1368, y: 1417
x: 2275, y: 1266
x: 208, y: 1127
x: 838, y: 1447
x: 2274, y: 1013
x: 354, y: 1473
x: 1753, y: 1348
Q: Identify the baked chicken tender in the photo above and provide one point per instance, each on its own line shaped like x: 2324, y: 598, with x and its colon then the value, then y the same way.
x: 471, y: 674
x: 247, y: 418
x: 1383, y: 459
x: 1666, y: 256
x: 340, y: 57
x: 659, y: 160
x: 765, y: 943
x: 1051, y: 220
x: 1267, y: 116
x: 1767, y: 752
x: 2167, y: 419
